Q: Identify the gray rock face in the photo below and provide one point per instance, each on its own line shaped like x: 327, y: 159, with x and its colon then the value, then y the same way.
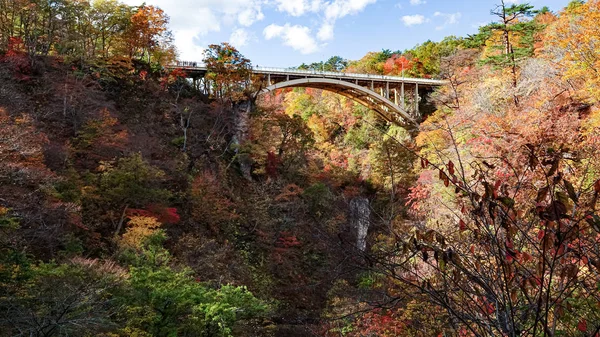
x: 360, y: 213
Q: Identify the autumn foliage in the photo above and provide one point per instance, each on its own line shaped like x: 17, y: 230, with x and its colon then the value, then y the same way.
x: 135, y: 202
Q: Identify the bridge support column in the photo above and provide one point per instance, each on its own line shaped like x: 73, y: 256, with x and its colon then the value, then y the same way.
x: 417, y: 99
x: 387, y: 90
x: 268, y: 79
x: 402, y: 95
x: 372, y: 86
x: 395, y: 96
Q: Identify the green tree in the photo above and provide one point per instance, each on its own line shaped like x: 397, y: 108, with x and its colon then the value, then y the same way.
x: 50, y: 299
x: 110, y: 19
x: 132, y: 182
x: 334, y: 63
x: 430, y: 54
x: 517, y: 35
x: 164, y: 301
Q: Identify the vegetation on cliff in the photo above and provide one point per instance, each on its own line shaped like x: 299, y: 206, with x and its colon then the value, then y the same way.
x: 132, y: 203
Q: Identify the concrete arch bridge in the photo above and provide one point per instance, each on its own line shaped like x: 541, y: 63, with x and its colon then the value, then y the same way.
x: 396, y: 99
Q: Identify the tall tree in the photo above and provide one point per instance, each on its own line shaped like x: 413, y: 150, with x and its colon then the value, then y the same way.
x: 228, y: 70
x: 148, y: 35
x: 516, y: 32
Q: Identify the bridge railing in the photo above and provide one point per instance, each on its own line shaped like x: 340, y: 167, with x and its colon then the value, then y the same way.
x: 292, y: 71
x: 189, y: 64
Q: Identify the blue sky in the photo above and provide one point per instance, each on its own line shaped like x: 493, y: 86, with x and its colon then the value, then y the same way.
x: 284, y: 33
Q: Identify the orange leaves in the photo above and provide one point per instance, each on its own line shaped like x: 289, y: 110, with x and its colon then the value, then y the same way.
x: 289, y: 192
x: 229, y: 70
x: 210, y: 206
x: 147, y: 32
x: 172, y: 77
x: 573, y: 37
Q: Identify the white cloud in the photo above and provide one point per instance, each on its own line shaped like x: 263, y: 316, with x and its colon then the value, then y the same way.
x: 336, y: 10
x: 298, y: 7
x: 297, y: 37
x: 211, y: 22
x: 417, y: 2
x: 325, y: 32
x: 412, y: 20
x: 340, y: 8
x: 193, y: 19
x: 450, y: 19
x: 249, y: 16
x: 239, y: 38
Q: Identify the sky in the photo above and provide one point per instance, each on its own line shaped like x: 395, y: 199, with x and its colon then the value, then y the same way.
x: 287, y: 33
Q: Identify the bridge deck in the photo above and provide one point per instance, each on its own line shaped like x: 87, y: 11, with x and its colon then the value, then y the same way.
x: 297, y: 73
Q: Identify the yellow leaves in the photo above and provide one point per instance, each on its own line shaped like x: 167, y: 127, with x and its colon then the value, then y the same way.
x: 319, y: 128
x: 591, y: 125
x: 23, y: 120
x: 575, y: 38
x: 138, y: 229
x: 3, y: 211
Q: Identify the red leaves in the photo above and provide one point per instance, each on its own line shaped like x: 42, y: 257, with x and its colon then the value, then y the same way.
x: 490, y: 308
x: 165, y: 215
x: 585, y: 260
x: 170, y: 77
x: 540, y: 235
x: 451, y: 167
x: 397, y: 65
x: 597, y: 186
x: 444, y: 177
x: 272, y: 164
x: 462, y: 225
x: 582, y: 325
x: 288, y: 241
x: 525, y: 257
x: 143, y: 75
x: 17, y: 57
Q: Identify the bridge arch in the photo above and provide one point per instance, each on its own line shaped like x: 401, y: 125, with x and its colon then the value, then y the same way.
x: 369, y: 98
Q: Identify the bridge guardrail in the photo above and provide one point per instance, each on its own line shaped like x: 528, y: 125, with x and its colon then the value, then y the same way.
x: 342, y: 74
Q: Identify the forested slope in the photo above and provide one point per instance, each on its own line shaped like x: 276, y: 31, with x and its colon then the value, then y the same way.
x: 132, y: 204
